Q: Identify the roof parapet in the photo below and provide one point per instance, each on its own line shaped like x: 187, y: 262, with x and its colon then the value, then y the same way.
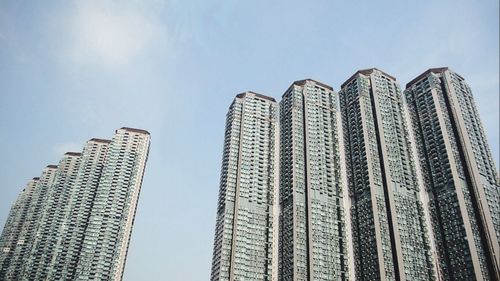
x: 367, y: 71
x: 141, y: 131
x: 100, y: 140
x: 425, y: 74
x: 304, y: 81
x: 242, y: 95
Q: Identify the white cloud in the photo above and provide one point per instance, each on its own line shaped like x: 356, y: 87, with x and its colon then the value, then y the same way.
x: 113, y: 33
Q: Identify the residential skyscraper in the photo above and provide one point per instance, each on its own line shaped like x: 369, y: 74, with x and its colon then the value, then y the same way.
x: 389, y: 230
x: 459, y: 175
x: 107, y: 235
x: 12, y: 231
x: 21, y: 248
x: 312, y: 243
x: 244, y: 234
x: 12, y: 239
x: 52, y: 216
x: 75, y: 221
x: 69, y: 248
x: 373, y: 184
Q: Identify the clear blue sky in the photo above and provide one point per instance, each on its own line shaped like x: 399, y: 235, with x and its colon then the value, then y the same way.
x: 70, y: 71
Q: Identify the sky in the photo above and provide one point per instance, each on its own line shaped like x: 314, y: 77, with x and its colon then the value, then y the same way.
x: 74, y: 70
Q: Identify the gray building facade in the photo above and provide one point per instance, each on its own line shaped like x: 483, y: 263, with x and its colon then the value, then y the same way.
x: 23, y: 223
x: 68, y: 248
x: 389, y: 230
x: 75, y: 221
x: 372, y: 183
x: 12, y: 230
x: 244, y: 234
x: 312, y: 244
x: 459, y: 175
x: 53, y: 216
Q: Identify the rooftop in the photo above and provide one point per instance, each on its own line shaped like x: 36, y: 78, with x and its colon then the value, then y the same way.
x: 140, y: 131
x: 303, y: 82
x: 425, y: 74
x: 367, y: 71
x: 100, y: 140
x: 242, y: 95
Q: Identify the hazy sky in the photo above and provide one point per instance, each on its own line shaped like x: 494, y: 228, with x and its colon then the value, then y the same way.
x: 70, y: 71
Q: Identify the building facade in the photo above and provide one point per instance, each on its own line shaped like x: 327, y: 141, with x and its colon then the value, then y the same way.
x: 389, y: 231
x: 107, y: 234
x: 52, y: 216
x: 243, y: 246
x: 11, y: 234
x: 68, y: 249
x: 312, y: 244
x: 20, y: 253
x: 374, y: 184
x: 75, y: 221
x: 459, y: 175
x: 12, y: 239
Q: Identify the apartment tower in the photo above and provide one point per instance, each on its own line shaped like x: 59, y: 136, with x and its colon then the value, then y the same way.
x: 459, y: 175
x: 68, y: 248
x: 75, y: 220
x: 12, y: 230
x: 23, y: 222
x: 244, y: 234
x: 367, y: 184
x: 389, y: 231
x: 312, y: 244
x: 52, y: 219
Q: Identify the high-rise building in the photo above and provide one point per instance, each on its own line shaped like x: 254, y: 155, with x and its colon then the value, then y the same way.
x: 14, y: 224
x: 389, y: 232
x: 11, y: 234
x: 312, y: 244
x: 458, y: 173
x: 107, y: 234
x: 75, y: 221
x: 373, y: 184
x: 69, y: 248
x: 244, y: 234
x: 52, y: 216
x: 20, y: 252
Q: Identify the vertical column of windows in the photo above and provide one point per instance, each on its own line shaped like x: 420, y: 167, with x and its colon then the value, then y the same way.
x: 68, y: 249
x: 14, y: 226
x: 312, y: 238
x: 111, y: 218
x: 52, y: 219
x: 28, y: 231
x: 385, y: 197
x: 243, y: 239
x: 428, y: 99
